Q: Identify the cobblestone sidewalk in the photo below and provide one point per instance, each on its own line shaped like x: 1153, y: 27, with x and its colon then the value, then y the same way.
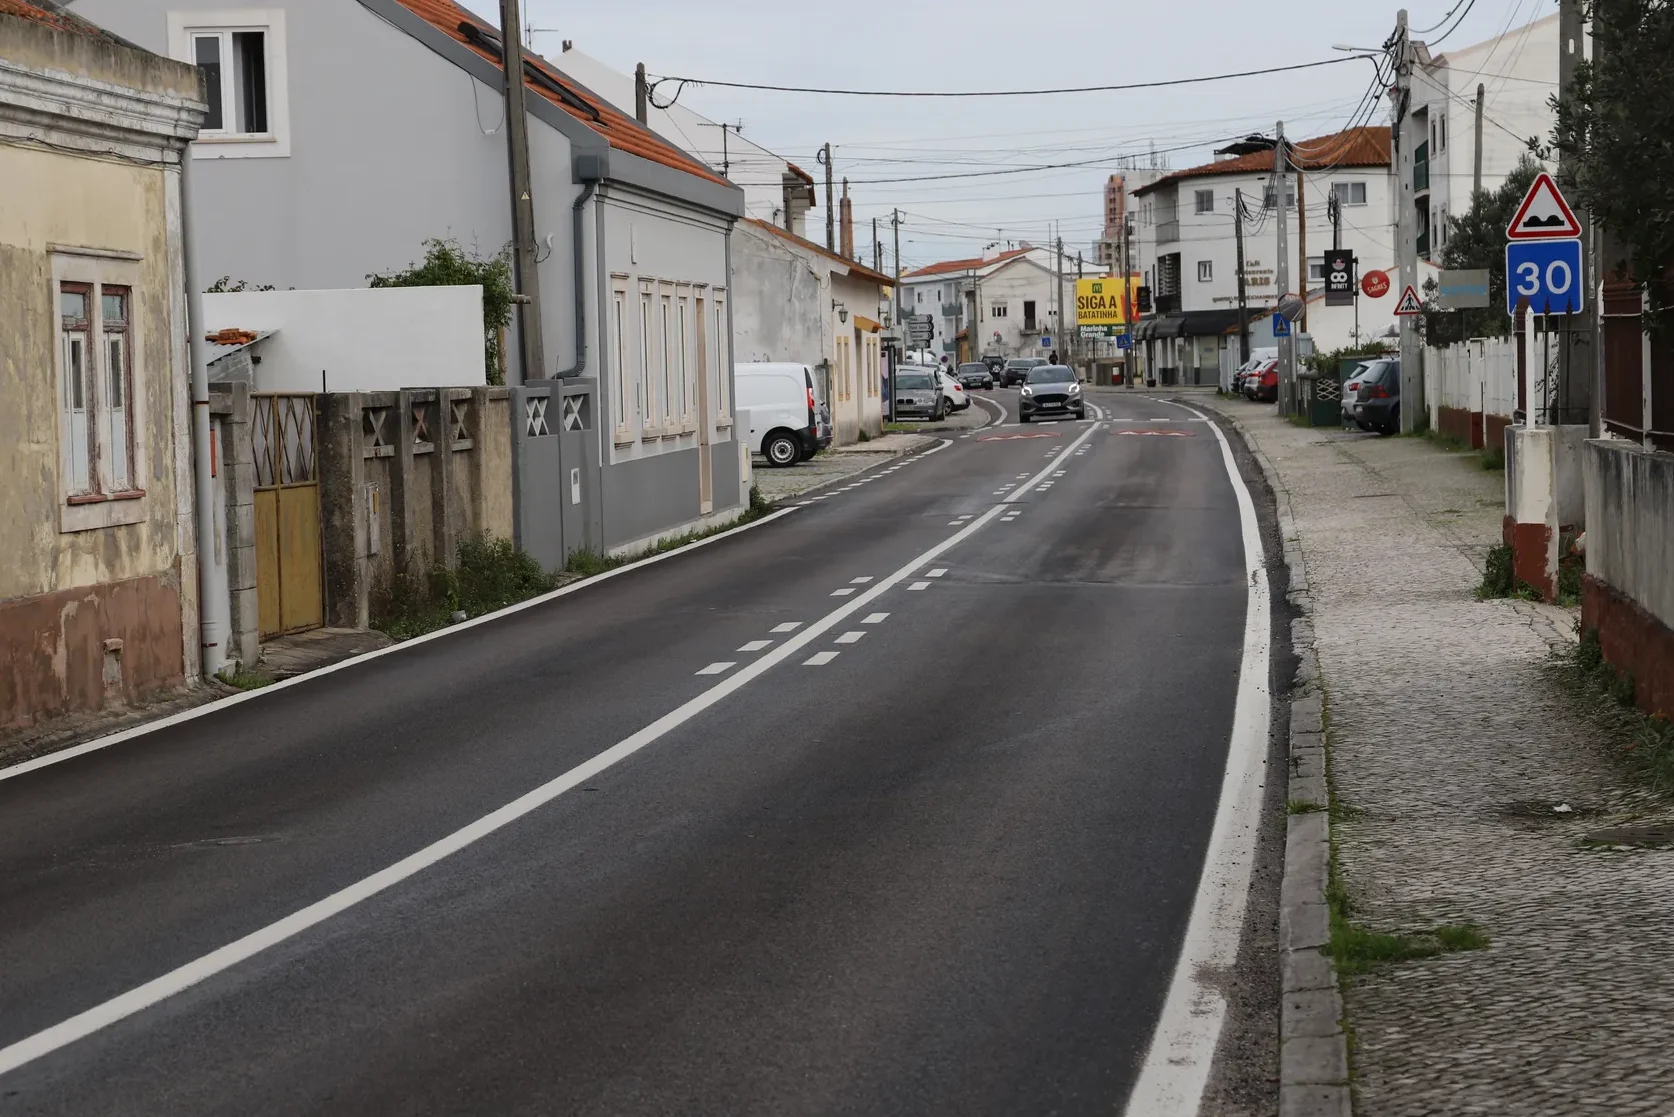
x: 834, y: 465
x: 1472, y: 781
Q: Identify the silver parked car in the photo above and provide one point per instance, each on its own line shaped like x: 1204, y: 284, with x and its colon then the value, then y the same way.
x: 918, y: 393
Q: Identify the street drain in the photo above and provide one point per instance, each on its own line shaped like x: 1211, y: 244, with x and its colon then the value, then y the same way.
x: 1644, y: 835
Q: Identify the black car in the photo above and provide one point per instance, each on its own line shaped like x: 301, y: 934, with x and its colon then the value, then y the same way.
x: 1017, y: 370
x: 974, y: 374
x: 1051, y: 390
x: 1377, y: 402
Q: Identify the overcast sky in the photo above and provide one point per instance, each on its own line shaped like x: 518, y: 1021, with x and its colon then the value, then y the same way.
x: 989, y: 44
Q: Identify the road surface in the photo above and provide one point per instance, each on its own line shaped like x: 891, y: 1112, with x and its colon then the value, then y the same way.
x: 937, y: 854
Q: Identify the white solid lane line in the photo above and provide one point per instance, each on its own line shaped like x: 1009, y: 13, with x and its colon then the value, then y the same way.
x: 160, y: 988
x: 1176, y: 1067
x: 919, y: 586
x: 755, y: 645
x: 788, y: 626
x: 819, y: 659
x: 718, y: 668
x: 849, y: 638
x: 844, y: 592
x: 875, y: 618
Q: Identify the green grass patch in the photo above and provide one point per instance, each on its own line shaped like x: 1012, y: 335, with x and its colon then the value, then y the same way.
x: 491, y: 574
x: 1446, y: 442
x: 245, y: 679
x: 1646, y: 742
x: 1499, y: 578
x: 1357, y: 950
x: 1302, y: 806
x: 1493, y: 460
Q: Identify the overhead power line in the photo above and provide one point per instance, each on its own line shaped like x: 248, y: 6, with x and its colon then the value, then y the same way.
x: 682, y: 82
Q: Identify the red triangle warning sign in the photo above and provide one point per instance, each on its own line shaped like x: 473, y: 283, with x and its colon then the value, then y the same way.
x: 1409, y: 303
x: 1544, y: 215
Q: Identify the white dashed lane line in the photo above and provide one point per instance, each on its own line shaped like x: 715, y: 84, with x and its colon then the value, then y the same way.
x: 819, y: 659
x: 875, y: 618
x: 937, y: 573
x: 860, y: 581
x: 844, y: 592
x: 755, y: 645
x: 850, y: 638
x: 718, y: 668
x: 919, y: 586
x: 788, y: 626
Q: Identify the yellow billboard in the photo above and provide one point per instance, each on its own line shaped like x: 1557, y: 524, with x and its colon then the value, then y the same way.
x: 1105, y: 301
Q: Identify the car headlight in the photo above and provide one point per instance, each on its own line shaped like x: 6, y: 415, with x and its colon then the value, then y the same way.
x: 1075, y: 389
x: 1027, y: 390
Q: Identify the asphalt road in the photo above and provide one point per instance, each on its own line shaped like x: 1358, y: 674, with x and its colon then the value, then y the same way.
x: 938, y: 859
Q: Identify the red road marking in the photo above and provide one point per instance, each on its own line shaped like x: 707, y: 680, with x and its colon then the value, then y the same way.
x: 1011, y: 437
x: 1160, y: 434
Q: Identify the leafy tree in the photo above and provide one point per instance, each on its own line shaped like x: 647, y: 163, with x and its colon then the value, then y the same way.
x: 446, y: 264
x: 1613, y: 129
x: 1477, y: 240
x: 226, y: 285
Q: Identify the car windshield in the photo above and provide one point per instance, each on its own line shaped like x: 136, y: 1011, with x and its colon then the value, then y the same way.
x: 1024, y: 362
x: 912, y: 381
x: 1051, y: 374
x: 973, y: 369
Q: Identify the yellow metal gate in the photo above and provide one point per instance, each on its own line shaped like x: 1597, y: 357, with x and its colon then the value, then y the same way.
x: 288, y: 563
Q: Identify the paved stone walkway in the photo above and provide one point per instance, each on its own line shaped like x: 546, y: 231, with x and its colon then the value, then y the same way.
x: 834, y: 465
x: 1452, y: 742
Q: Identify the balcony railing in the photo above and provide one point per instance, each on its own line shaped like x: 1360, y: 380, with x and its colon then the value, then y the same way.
x: 1168, y: 232
x: 1421, y: 168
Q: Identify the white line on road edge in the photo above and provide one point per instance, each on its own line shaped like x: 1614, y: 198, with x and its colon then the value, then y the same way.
x: 161, y: 988
x: 320, y: 672
x: 1177, y: 1065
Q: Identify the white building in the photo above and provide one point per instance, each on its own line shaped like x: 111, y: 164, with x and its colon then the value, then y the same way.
x: 776, y: 190
x: 1012, y: 292
x: 1188, y: 252
x: 1517, y: 71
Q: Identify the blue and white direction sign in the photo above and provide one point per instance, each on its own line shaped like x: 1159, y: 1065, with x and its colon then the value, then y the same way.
x: 1547, y: 273
x: 1281, y: 326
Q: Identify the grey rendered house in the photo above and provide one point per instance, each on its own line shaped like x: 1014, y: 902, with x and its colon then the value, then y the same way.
x: 345, y: 133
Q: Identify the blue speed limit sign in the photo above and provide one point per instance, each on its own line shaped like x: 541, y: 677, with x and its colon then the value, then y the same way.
x: 1547, y: 273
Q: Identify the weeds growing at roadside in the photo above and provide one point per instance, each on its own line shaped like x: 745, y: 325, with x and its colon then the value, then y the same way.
x: 1499, y: 578
x: 1302, y: 806
x: 490, y: 574
x: 1647, y: 742
x: 245, y: 679
x: 1493, y: 460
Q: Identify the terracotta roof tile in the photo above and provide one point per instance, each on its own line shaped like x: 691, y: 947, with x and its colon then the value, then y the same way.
x: 965, y: 265
x: 857, y: 269
x: 623, y: 132
x: 58, y: 20
x: 1357, y: 147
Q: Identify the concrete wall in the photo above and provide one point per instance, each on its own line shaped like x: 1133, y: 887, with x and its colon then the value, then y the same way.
x: 98, y: 592
x: 1628, y: 597
x: 359, y: 340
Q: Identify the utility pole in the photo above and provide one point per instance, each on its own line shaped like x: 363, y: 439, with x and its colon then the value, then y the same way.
x: 830, y: 215
x: 900, y: 324
x: 1302, y: 243
x: 1581, y: 358
x: 1406, y: 248
x: 1058, y: 293
x: 1243, y: 303
x: 1128, y: 299
x: 641, y: 91
x: 532, y: 365
x: 1334, y: 214
x: 877, y: 249
x: 1481, y: 96
x: 1287, y: 345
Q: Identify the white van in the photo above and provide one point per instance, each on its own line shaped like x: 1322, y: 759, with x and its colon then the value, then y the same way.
x: 784, y: 419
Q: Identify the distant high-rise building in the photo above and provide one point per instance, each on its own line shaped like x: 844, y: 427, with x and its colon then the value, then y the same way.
x: 1117, y: 188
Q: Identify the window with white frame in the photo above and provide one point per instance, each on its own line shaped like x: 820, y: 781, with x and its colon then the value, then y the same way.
x: 684, y: 343
x: 619, y: 354
x: 241, y: 53
x: 668, y: 385
x: 997, y: 310
x: 1270, y: 197
x: 98, y: 452
x: 1349, y: 193
x: 647, y: 400
x: 1316, y: 269
x: 1205, y: 271
x: 723, y: 362
x: 1442, y: 124
x: 1205, y: 201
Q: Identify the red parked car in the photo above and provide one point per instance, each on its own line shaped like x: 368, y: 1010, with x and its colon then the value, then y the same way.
x: 1262, y: 384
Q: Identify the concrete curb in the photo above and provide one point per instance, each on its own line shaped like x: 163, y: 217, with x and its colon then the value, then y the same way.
x: 1313, y: 1047
x: 780, y: 501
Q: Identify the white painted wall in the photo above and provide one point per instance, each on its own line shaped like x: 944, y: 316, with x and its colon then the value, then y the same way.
x: 359, y: 340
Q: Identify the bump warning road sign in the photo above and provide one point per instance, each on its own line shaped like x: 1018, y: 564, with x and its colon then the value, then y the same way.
x: 1544, y: 215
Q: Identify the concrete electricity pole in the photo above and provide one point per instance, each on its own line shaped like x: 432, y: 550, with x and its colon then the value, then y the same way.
x: 1476, y: 171
x: 830, y: 223
x: 900, y: 323
x: 1406, y: 246
x: 877, y: 249
x: 1287, y: 345
x: 1579, y: 368
x: 532, y: 364
x: 1302, y: 243
x: 1058, y: 294
x: 1243, y: 302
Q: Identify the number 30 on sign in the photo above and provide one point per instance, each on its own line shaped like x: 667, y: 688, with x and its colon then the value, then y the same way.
x: 1547, y: 273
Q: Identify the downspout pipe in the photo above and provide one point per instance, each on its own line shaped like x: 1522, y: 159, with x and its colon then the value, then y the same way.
x: 213, y: 606
x: 589, y: 169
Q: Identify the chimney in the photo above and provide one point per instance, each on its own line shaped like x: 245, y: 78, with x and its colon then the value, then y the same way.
x: 847, y: 214
x: 639, y: 93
